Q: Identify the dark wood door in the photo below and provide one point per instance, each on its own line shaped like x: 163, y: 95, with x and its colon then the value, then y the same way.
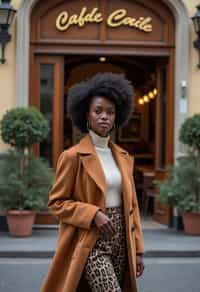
x: 47, y: 94
x: 164, y: 132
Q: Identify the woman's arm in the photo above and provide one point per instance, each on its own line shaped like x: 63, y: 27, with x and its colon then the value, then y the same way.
x: 60, y: 203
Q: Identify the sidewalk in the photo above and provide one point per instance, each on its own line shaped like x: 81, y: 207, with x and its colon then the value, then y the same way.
x: 160, y: 241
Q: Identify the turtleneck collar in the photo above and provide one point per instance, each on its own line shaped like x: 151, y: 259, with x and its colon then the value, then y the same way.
x: 99, y: 141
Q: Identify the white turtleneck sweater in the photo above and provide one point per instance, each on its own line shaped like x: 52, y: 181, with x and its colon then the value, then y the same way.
x: 110, y: 168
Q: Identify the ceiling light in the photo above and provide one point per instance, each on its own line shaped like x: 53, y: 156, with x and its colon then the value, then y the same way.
x: 141, y: 101
x: 151, y: 95
x: 155, y: 91
x: 146, y: 98
x: 102, y: 59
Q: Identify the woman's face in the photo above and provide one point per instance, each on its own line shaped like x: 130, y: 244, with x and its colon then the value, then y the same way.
x: 101, y: 115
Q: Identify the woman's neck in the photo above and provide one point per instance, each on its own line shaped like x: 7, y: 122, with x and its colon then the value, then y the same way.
x: 98, y: 140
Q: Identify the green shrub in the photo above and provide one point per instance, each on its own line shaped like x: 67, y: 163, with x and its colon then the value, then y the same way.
x: 23, y: 127
x: 167, y: 189
x: 24, y: 191
x: 190, y: 132
x: 182, y: 187
x: 25, y: 180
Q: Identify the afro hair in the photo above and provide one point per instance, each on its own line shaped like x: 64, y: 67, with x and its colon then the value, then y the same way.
x: 109, y: 85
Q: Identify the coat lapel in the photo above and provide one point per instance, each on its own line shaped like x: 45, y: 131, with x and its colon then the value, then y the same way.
x: 94, y: 169
x: 92, y: 163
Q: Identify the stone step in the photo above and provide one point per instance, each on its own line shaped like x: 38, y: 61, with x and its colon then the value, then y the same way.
x: 42, y: 254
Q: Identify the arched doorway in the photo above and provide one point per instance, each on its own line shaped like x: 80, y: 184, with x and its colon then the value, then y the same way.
x: 181, y: 61
x: 141, y: 31
x: 181, y: 58
x: 68, y: 42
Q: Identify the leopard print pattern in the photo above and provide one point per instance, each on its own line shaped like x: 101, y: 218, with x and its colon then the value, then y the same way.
x: 106, y: 263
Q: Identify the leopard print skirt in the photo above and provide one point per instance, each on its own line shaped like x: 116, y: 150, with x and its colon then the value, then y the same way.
x: 105, y: 266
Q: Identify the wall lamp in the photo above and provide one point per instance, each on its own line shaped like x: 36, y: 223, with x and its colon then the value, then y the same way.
x: 7, y: 13
x: 196, y: 22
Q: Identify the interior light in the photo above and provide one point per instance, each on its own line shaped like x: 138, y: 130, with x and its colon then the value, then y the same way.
x: 146, y: 98
x: 102, y: 59
x: 155, y: 91
x: 151, y: 95
x: 141, y: 101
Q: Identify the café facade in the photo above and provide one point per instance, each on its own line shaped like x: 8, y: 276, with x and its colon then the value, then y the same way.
x: 57, y: 43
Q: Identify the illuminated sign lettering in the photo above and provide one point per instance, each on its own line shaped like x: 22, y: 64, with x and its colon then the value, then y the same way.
x: 116, y: 19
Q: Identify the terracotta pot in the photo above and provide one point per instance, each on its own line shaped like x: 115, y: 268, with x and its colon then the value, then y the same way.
x: 191, y: 222
x: 45, y: 218
x: 20, y: 223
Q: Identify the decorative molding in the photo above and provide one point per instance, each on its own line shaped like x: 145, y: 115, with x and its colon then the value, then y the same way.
x: 181, y: 59
x: 182, y: 66
x: 22, y: 52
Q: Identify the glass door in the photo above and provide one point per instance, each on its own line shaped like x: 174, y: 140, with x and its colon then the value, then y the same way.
x: 47, y: 95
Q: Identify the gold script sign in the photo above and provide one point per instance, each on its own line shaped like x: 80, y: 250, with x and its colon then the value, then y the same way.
x: 116, y: 19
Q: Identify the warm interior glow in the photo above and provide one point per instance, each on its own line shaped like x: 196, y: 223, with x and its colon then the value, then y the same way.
x: 141, y: 101
x: 155, y: 91
x: 102, y: 59
x: 146, y: 98
x: 151, y: 95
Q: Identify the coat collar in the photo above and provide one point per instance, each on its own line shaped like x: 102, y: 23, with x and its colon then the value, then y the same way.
x: 92, y: 163
x: 86, y: 146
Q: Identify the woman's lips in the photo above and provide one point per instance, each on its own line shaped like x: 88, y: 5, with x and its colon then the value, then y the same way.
x: 104, y: 125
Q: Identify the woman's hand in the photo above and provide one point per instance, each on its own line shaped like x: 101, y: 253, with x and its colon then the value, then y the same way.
x: 139, y: 265
x: 104, y: 224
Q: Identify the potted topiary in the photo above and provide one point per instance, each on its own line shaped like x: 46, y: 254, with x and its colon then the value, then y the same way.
x: 182, y: 187
x: 25, y: 180
x: 169, y: 195
x: 190, y: 204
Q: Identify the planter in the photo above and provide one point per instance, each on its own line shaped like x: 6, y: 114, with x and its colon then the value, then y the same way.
x: 191, y: 222
x: 3, y: 222
x: 45, y: 218
x: 177, y: 220
x: 20, y: 223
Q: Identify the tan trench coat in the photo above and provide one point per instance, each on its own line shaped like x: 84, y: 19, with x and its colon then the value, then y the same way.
x: 78, y: 192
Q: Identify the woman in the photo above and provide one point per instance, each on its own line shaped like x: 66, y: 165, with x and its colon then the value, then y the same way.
x: 100, y: 246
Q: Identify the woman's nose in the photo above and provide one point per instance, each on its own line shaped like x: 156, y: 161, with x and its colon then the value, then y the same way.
x: 104, y: 116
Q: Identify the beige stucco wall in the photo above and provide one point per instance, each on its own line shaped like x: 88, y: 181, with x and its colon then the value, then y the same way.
x: 7, y: 75
x: 7, y: 71
x: 194, y: 86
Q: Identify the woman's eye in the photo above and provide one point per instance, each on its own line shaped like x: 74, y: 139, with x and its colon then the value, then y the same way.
x: 111, y: 112
x: 99, y: 111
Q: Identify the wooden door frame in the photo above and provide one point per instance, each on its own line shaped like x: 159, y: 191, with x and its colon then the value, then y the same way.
x: 58, y: 99
x: 169, y: 137
x: 162, y: 212
x: 51, y: 43
x: 49, y: 57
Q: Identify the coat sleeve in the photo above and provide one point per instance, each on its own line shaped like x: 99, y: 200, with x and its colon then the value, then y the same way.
x: 61, y: 203
x: 137, y: 222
